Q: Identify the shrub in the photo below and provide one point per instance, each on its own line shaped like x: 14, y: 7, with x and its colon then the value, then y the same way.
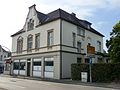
x: 101, y: 72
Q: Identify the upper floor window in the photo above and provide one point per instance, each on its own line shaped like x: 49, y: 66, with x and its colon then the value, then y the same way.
x: 99, y: 46
x: 50, y: 38
x: 73, y: 39
x: 29, y: 42
x: 80, y: 31
x: 30, y: 25
x: 79, y: 46
x: 37, y: 40
x: 19, y: 44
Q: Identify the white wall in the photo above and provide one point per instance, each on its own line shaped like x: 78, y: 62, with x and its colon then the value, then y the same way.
x: 68, y: 29
x: 43, y: 37
x: 67, y: 60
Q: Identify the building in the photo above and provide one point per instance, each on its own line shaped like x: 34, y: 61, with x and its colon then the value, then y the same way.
x: 3, y: 54
x: 48, y: 44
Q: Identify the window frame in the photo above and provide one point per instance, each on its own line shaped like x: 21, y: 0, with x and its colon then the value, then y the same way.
x: 74, y: 39
x: 99, y: 46
x: 29, y: 48
x: 50, y: 39
x: 19, y: 44
x: 37, y: 41
x: 79, y: 48
x: 80, y: 31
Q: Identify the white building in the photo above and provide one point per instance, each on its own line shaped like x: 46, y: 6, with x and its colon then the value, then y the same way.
x: 48, y: 44
x: 3, y: 54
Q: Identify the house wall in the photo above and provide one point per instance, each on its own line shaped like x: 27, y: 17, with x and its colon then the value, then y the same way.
x: 68, y: 29
x: 67, y: 60
x: 43, y: 38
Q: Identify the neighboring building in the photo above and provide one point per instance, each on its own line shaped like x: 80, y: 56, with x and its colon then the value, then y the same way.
x: 3, y: 54
x: 48, y: 44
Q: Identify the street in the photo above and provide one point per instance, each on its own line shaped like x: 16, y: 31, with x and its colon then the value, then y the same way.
x: 7, y: 83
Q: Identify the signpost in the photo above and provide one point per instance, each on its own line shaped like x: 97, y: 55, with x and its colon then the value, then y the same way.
x: 90, y: 51
x: 90, y: 63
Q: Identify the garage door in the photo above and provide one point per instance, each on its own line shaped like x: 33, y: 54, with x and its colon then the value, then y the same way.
x: 37, y: 67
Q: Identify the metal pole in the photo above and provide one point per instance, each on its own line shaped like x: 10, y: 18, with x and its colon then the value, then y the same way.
x: 90, y: 63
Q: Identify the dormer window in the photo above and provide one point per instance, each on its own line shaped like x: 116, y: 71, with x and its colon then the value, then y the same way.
x: 80, y: 31
x: 30, y: 25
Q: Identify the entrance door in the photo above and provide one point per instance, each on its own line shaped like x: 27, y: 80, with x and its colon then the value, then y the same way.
x: 28, y: 68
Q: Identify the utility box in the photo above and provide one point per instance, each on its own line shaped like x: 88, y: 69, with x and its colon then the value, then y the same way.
x: 84, y: 76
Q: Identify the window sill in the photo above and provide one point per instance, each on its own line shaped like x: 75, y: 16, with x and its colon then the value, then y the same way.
x: 81, y: 35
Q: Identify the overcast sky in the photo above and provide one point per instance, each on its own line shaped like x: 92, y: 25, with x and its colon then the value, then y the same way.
x: 103, y: 14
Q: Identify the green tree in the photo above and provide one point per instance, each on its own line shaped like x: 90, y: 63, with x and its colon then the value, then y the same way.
x: 113, y: 44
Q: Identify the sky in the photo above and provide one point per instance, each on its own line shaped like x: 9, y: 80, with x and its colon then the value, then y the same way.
x: 103, y: 14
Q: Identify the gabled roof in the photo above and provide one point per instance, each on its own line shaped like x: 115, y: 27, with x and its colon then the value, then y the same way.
x: 61, y: 14
x: 19, y: 32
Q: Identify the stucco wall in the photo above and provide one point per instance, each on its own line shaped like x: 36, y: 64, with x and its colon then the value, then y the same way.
x: 43, y: 38
x: 68, y: 29
x: 67, y: 60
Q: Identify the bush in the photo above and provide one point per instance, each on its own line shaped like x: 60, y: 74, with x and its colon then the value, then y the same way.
x: 100, y: 72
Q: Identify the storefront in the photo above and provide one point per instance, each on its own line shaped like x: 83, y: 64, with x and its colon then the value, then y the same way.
x: 35, y: 67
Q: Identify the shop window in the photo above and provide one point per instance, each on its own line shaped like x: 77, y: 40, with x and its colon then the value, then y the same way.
x: 37, y: 66
x: 16, y: 65
x: 49, y: 66
x: 22, y: 65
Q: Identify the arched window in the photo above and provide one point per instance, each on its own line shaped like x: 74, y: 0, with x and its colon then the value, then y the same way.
x: 19, y: 44
x: 29, y: 42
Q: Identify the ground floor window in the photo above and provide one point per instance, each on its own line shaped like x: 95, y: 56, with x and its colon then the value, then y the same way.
x: 37, y: 66
x: 86, y: 60
x: 49, y: 66
x: 79, y: 60
x: 22, y: 65
x: 16, y: 65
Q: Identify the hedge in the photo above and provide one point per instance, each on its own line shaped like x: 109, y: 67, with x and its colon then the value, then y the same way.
x: 101, y: 72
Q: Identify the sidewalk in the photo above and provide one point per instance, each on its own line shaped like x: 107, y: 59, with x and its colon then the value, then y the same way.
x: 69, y: 81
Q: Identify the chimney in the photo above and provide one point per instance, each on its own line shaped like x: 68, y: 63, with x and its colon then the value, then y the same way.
x: 32, y: 6
x: 73, y: 14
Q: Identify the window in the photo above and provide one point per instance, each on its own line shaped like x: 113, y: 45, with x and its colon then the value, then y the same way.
x: 37, y: 66
x: 99, y: 46
x: 80, y: 31
x: 50, y: 38
x: 30, y: 25
x: 16, y: 65
x: 37, y: 41
x: 79, y: 60
x: 74, y: 39
x: 29, y: 42
x: 49, y: 66
x: 22, y: 65
x: 79, y: 46
x: 19, y: 44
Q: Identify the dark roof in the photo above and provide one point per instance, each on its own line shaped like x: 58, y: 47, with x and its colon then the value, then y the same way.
x: 19, y: 32
x: 59, y: 13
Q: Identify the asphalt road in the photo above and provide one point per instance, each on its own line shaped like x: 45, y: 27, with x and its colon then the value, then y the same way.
x: 7, y: 83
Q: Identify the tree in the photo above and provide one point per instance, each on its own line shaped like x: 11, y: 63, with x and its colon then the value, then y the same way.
x: 113, y: 44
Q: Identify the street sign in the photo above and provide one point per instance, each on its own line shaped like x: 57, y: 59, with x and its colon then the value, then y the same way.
x: 90, y: 60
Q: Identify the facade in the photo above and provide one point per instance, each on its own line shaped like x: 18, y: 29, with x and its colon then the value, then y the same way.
x: 49, y: 43
x: 3, y: 54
